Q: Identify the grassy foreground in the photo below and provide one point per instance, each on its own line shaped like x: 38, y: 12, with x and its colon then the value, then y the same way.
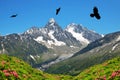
x: 109, y: 70
x: 12, y: 68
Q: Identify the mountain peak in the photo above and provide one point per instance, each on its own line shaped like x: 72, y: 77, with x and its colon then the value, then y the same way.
x: 52, y: 25
x: 72, y: 24
x: 32, y: 30
x: 75, y: 27
x: 51, y: 20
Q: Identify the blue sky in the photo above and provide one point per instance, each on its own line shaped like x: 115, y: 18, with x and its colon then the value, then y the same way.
x: 38, y: 12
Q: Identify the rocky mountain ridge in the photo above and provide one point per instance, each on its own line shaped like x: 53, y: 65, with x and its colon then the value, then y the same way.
x: 53, y: 34
x: 38, y: 46
x: 96, y: 52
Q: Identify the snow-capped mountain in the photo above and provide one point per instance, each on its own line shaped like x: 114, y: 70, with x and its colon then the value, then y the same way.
x: 96, y: 52
x: 63, y: 42
x: 53, y: 35
x: 82, y: 34
x: 47, y: 44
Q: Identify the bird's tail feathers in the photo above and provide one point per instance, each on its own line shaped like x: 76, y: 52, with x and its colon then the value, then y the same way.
x: 92, y: 15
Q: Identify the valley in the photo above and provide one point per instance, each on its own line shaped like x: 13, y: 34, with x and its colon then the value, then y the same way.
x: 47, y: 45
x: 63, y: 53
x: 12, y: 68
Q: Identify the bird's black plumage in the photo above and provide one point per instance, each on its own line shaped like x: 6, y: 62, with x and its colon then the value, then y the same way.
x: 13, y: 15
x: 95, y: 13
x: 58, y: 10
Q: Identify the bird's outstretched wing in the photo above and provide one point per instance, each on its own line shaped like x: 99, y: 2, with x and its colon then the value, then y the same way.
x: 95, y: 10
x: 58, y: 10
x: 97, y: 16
x: 13, y: 15
x: 92, y: 15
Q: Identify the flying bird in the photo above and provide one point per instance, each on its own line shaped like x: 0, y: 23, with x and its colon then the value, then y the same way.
x: 14, y: 15
x: 95, y: 13
x: 58, y: 10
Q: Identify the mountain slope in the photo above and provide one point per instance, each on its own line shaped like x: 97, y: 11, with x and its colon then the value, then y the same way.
x: 42, y: 47
x: 12, y: 68
x: 21, y: 46
x: 64, y: 43
x: 96, y: 52
x: 109, y: 70
x: 81, y: 33
x: 53, y: 35
x: 109, y: 39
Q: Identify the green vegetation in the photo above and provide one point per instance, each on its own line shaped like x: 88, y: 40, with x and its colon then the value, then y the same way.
x: 12, y: 68
x: 109, y: 70
x: 76, y: 64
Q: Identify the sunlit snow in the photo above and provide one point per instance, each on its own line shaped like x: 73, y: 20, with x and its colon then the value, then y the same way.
x: 118, y: 39
x: 29, y: 31
x: 39, y: 39
x: 78, y: 36
x: 56, y: 42
x: 32, y: 57
x: 102, y: 35
x: 72, y: 46
x: 53, y: 40
x: 52, y: 21
x: 114, y: 47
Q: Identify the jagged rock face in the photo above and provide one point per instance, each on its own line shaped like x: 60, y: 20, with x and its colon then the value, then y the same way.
x: 89, y: 35
x: 96, y: 52
x: 53, y: 34
x: 38, y: 45
x: 108, y: 40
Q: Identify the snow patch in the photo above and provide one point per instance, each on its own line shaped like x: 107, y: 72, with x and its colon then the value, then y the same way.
x: 78, y: 36
x: 72, y: 46
x: 3, y: 49
x: 29, y: 31
x: 50, y: 42
x: 102, y: 35
x: 56, y: 42
x: 118, y: 39
x: 51, y: 35
x: 52, y: 21
x: 39, y: 39
x: 47, y: 43
x: 114, y: 47
x: 32, y: 57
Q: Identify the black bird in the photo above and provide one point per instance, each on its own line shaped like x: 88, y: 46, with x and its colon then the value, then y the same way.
x: 12, y: 16
x: 95, y: 13
x: 58, y: 10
